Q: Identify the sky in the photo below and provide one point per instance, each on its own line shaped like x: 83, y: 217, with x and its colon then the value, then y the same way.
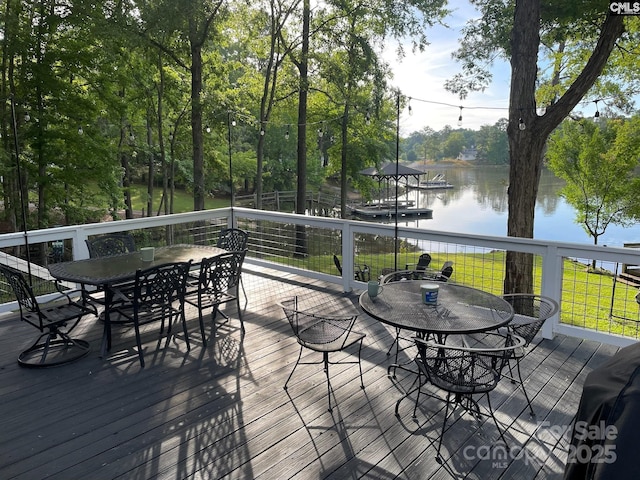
x: 421, y: 76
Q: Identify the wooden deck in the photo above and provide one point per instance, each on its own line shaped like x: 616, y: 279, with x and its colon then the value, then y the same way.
x: 221, y: 411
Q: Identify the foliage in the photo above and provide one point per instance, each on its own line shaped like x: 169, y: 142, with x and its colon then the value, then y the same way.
x: 598, y: 162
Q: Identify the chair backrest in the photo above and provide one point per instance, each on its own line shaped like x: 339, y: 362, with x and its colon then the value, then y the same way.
x: 160, y: 286
x: 24, y: 295
x: 459, y: 369
x: 530, y: 313
x: 111, y: 244
x: 221, y: 273
x: 233, y: 239
x: 423, y: 261
x: 337, y: 263
x: 313, y: 328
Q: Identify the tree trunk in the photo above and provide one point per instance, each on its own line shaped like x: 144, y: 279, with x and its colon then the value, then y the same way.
x: 151, y: 171
x: 196, y: 126
x: 301, y: 241
x: 528, y: 132
x: 343, y: 161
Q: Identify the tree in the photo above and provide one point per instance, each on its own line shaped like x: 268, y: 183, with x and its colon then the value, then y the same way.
x: 492, y: 143
x: 598, y: 161
x: 518, y: 31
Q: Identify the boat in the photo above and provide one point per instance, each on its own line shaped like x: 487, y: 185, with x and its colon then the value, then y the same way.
x: 438, y: 182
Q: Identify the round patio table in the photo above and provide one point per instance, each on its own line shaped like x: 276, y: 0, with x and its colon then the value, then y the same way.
x: 459, y: 310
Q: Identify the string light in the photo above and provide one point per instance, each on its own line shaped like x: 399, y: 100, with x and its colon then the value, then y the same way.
x: 460, y: 117
x: 409, y: 107
x: 286, y: 135
x: 207, y: 129
x: 80, y: 130
x: 597, y: 114
x: 521, y: 124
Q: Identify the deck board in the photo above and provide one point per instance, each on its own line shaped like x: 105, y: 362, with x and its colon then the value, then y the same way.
x: 219, y: 411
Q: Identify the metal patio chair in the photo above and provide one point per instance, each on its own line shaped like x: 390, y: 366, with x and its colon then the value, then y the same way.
x: 157, y: 296
x: 324, y: 334
x: 110, y: 244
x: 216, y: 283
x: 54, y: 320
x: 234, y: 240
x: 461, y: 372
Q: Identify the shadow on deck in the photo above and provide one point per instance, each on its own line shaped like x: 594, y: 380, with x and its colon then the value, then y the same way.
x: 221, y: 411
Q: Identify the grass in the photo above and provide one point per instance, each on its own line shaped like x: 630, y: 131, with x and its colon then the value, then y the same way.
x: 587, y: 295
x: 182, y: 200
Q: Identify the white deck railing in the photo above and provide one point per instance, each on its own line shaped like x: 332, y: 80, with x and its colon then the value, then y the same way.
x: 272, y: 235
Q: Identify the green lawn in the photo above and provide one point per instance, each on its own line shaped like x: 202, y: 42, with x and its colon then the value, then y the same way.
x: 587, y: 297
x: 182, y: 201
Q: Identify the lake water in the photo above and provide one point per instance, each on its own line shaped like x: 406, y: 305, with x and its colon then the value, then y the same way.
x: 478, y: 204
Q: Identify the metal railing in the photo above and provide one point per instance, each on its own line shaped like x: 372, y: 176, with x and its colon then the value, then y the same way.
x: 594, y: 303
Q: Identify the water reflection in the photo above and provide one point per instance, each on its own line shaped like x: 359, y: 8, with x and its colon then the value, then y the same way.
x: 478, y: 204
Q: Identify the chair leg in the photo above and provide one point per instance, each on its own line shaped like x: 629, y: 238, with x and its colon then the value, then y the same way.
x: 444, y: 426
x: 526, y: 395
x: 201, y: 320
x: 184, y: 329
x: 64, y: 348
x: 395, y: 341
x: 360, y: 364
x: 240, y: 313
x: 495, y: 420
x: 244, y: 292
x: 325, y: 359
x: 139, y: 343
x: 294, y: 368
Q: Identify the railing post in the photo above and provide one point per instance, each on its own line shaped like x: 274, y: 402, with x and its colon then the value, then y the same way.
x: 551, y: 286
x: 80, y: 249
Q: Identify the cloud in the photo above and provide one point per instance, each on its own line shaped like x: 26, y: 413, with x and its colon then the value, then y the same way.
x: 422, y: 75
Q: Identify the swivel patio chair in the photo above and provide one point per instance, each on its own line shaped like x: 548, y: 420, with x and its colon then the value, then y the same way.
x: 54, y: 320
x: 324, y: 334
x: 216, y: 283
x: 110, y: 244
x: 461, y: 372
x: 157, y: 296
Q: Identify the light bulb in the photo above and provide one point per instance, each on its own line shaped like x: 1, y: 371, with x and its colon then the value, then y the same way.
x: 233, y: 123
x: 80, y: 130
x: 521, y: 124
x: 207, y: 129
